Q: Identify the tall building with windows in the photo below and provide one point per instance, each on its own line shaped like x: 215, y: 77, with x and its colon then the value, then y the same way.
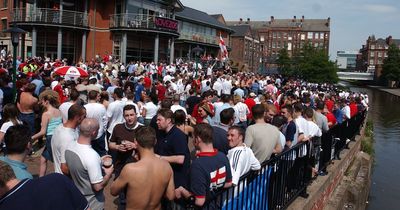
x: 373, y: 53
x: 291, y: 34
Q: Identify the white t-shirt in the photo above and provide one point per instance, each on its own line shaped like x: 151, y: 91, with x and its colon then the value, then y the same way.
x: 241, y: 111
x: 301, y: 123
x: 115, y: 114
x: 151, y: 110
x: 312, y: 129
x: 7, y: 125
x: 98, y: 112
x: 62, y: 136
x: 64, y: 110
x: 242, y: 160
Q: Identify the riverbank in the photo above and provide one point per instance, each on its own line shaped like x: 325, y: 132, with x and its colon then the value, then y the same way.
x: 393, y: 91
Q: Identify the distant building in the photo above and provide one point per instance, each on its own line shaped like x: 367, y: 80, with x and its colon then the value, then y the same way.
x: 246, y: 48
x: 291, y: 34
x: 346, y: 60
x: 374, y: 52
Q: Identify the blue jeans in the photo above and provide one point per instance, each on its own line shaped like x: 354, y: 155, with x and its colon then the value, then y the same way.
x: 47, y: 152
x: 28, y: 118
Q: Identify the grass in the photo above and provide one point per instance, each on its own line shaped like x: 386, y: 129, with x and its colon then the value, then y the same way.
x: 367, y: 143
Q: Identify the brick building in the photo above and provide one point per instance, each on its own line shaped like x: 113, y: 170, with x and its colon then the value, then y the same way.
x: 143, y: 30
x: 291, y: 34
x: 374, y: 52
x: 246, y: 48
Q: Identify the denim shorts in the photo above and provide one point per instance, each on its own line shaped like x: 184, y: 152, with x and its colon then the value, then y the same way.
x: 47, y: 153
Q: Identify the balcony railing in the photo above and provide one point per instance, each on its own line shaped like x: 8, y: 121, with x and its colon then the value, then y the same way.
x: 144, y: 22
x: 50, y: 16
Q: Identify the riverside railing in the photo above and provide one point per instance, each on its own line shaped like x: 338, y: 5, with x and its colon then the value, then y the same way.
x: 286, y: 176
x: 50, y: 16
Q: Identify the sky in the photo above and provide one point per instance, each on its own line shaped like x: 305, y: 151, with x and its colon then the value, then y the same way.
x: 352, y: 21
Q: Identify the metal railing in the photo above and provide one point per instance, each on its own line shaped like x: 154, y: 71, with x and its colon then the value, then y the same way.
x: 286, y: 176
x: 50, y: 16
x: 143, y: 21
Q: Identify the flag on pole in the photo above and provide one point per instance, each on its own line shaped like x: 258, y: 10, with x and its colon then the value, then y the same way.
x: 222, y: 46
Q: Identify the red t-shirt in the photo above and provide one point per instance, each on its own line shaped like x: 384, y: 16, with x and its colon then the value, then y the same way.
x: 353, y: 109
x: 161, y: 92
x: 60, y: 92
x: 331, y: 119
x: 329, y: 104
x: 250, y: 103
x: 147, y: 82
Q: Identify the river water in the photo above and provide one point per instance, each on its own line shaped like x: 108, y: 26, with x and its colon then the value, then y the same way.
x: 385, y: 114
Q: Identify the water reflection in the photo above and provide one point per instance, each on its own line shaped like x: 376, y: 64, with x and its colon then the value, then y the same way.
x: 385, y: 114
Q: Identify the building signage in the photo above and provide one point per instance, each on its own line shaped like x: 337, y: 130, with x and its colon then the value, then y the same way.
x: 166, y: 23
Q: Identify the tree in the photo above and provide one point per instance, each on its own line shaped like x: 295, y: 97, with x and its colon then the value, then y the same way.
x: 284, y: 63
x: 313, y: 65
x: 391, y: 64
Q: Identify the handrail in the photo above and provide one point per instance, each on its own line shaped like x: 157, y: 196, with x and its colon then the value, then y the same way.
x: 143, y: 21
x: 284, y: 177
x: 50, y: 16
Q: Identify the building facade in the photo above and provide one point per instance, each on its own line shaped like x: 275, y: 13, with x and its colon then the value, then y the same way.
x: 373, y: 53
x: 291, y: 34
x: 246, y: 48
x: 347, y: 60
x: 197, y: 28
x: 74, y: 29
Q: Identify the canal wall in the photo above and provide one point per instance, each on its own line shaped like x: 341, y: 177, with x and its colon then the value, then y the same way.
x: 335, y: 190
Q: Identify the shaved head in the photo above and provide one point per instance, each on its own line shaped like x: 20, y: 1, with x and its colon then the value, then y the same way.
x: 88, y: 127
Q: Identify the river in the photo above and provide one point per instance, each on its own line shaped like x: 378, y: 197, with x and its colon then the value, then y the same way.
x: 385, y: 114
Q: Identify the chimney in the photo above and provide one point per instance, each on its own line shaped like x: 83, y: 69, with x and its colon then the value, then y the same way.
x: 328, y: 22
x: 240, y: 20
x: 272, y: 19
x: 248, y: 20
x: 294, y: 19
x: 302, y: 18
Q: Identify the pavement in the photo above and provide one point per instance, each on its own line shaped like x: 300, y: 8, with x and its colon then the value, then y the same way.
x: 33, y: 163
x: 393, y: 91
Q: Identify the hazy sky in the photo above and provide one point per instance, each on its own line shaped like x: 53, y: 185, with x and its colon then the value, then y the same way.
x: 352, y: 21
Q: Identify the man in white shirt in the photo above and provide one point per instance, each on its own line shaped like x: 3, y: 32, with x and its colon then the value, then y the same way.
x: 176, y: 105
x: 85, y: 165
x: 64, y: 107
x: 227, y: 86
x: 65, y: 134
x: 241, y: 111
x: 241, y: 157
x: 115, y: 110
x: 97, y: 111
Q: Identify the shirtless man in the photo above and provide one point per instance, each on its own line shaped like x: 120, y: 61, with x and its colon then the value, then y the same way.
x: 25, y: 105
x: 148, y: 180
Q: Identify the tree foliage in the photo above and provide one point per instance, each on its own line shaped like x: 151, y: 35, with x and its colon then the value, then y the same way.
x: 391, y: 64
x: 313, y: 65
x: 284, y: 63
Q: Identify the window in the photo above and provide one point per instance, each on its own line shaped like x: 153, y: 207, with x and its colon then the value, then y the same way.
x: 273, y: 44
x: 372, y: 54
x: 371, y: 62
x: 380, y: 61
x: 303, y: 36
x: 3, y: 24
x: 386, y: 55
x: 289, y: 46
x: 262, y: 38
x: 321, y: 35
x: 380, y: 54
x: 5, y: 4
x: 316, y: 44
x: 372, y: 47
x: 309, y: 35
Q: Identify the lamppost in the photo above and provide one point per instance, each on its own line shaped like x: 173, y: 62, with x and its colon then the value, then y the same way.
x: 197, y: 50
x: 15, y: 32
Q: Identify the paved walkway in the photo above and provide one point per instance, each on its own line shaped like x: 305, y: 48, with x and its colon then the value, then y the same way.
x: 394, y: 91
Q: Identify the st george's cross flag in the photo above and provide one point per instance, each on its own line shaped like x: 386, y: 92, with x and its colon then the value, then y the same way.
x: 222, y: 46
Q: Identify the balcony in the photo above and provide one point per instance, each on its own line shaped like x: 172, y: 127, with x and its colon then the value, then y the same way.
x: 144, y: 22
x: 50, y: 17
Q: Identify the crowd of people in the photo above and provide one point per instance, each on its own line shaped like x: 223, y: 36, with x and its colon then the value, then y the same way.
x: 164, y: 136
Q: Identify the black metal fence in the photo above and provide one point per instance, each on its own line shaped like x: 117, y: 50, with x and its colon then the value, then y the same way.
x: 286, y: 176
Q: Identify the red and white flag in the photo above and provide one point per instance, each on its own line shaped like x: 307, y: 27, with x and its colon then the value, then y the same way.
x: 222, y: 46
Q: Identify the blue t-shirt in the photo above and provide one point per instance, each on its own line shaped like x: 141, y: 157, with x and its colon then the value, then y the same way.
x: 54, y: 191
x: 138, y: 92
x: 175, y: 143
x: 209, y: 172
x: 20, y: 169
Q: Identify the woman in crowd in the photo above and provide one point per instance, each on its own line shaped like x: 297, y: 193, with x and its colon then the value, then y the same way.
x: 51, y: 118
x: 10, y: 118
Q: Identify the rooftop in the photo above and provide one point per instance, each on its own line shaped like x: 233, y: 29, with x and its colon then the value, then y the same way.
x: 201, y: 17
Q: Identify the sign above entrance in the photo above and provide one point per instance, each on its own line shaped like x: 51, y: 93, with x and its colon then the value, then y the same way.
x: 166, y: 23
